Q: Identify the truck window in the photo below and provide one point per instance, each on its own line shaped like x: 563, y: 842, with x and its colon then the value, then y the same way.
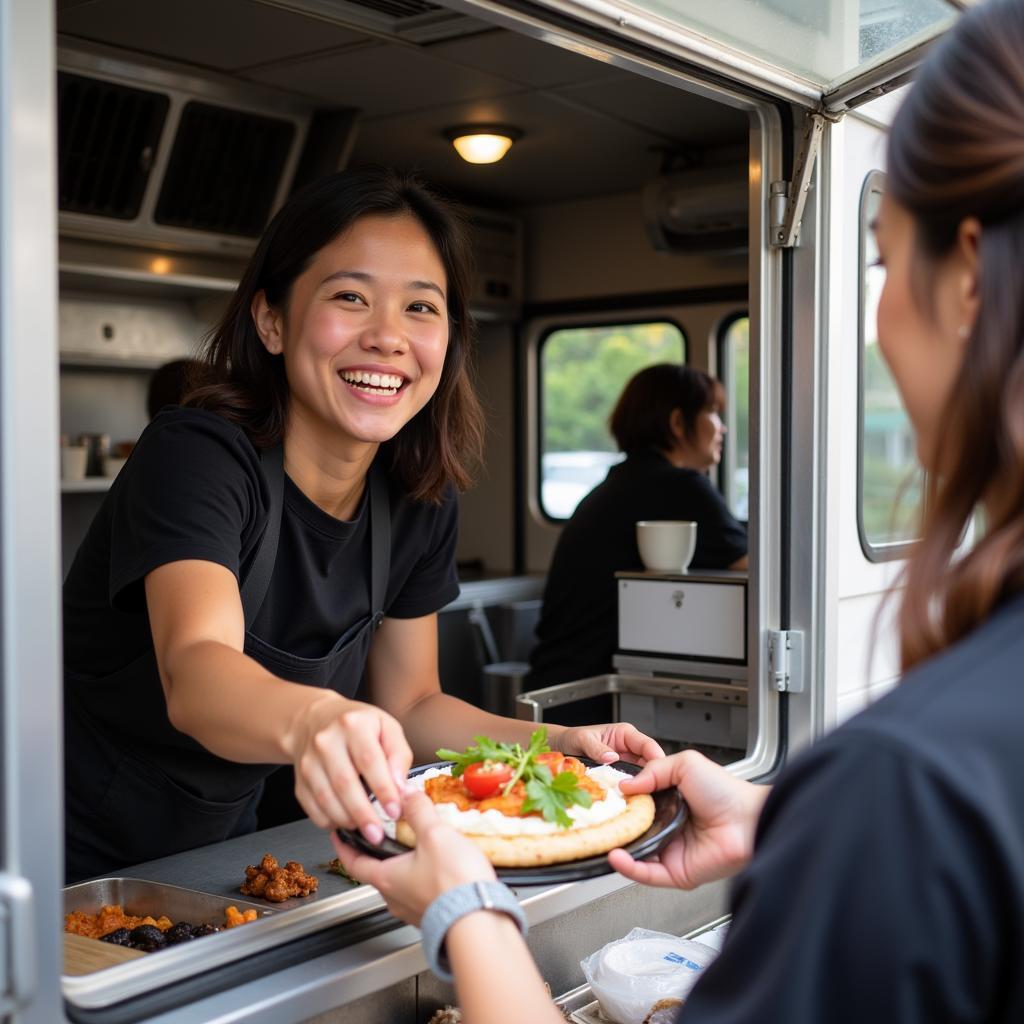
x: 582, y: 372
x: 734, y: 373
x: 889, y: 483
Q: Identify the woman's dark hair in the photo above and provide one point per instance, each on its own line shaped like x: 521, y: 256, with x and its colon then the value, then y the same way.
x: 443, y: 442
x: 641, y: 415
x: 956, y: 151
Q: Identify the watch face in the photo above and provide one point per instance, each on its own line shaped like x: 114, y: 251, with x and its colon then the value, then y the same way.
x: 669, y: 814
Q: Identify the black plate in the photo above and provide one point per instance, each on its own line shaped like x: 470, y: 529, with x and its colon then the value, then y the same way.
x: 669, y: 814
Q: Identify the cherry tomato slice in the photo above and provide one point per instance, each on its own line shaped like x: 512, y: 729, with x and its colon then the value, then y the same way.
x: 552, y: 760
x: 485, y: 778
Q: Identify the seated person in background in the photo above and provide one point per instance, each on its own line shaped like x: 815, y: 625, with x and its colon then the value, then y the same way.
x: 667, y: 422
x: 172, y: 381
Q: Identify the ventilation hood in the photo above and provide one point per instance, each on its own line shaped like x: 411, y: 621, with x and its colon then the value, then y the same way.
x: 149, y: 155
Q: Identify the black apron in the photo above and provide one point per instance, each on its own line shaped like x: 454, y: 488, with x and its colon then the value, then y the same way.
x: 137, y: 788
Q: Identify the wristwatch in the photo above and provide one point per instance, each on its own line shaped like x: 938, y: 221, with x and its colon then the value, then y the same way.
x: 456, y: 903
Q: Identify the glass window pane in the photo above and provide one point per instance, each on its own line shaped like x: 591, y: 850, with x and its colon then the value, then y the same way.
x: 819, y: 40
x: 582, y: 372
x: 734, y: 364
x: 891, y: 479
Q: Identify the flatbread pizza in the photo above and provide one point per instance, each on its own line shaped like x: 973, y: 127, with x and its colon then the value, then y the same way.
x: 532, y: 807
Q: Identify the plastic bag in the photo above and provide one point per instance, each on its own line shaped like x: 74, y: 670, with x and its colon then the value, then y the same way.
x: 631, y: 974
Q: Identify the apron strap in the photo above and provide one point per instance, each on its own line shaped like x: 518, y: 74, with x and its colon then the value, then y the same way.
x: 380, y: 542
x: 256, y: 583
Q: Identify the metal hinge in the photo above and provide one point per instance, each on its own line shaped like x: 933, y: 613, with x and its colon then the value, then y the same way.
x: 786, y: 660
x: 17, y: 944
x: 786, y: 199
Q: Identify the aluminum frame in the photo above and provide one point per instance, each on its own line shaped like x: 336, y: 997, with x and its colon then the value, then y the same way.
x: 30, y: 647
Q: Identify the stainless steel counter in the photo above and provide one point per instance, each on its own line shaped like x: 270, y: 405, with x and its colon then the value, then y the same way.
x: 493, y: 590
x: 381, y: 978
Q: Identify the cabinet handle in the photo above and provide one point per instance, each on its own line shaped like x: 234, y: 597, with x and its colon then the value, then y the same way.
x: 678, y: 596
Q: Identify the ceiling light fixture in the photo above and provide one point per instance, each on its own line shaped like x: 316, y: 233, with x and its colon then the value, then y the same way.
x: 482, y: 143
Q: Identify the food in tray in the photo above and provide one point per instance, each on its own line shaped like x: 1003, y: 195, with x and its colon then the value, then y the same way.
x: 270, y: 881
x: 147, y: 934
x: 530, y: 807
x: 110, y: 918
x: 233, y: 917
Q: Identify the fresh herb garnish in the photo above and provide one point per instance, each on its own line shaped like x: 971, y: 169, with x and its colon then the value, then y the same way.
x: 544, y: 793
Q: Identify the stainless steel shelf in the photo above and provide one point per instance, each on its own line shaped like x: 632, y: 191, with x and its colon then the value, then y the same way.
x: 90, y: 485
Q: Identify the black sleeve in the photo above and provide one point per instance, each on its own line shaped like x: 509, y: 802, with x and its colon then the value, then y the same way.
x: 433, y: 582
x: 721, y: 540
x: 191, y: 489
x: 873, y: 895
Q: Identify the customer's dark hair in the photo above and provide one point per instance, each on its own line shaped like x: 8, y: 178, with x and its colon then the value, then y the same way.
x: 956, y: 151
x: 443, y: 442
x: 642, y: 414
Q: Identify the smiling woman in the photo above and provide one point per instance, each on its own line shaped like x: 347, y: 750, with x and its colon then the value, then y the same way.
x: 284, y: 542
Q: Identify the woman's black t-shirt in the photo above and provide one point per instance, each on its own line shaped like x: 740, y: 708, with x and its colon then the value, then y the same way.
x: 887, y: 882
x: 194, y: 489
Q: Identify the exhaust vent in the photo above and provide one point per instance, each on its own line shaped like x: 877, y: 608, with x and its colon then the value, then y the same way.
x: 397, y: 8
x: 157, y: 156
x: 107, y: 141
x: 224, y: 170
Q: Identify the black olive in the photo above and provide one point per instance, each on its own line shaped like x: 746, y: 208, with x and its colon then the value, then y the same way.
x: 203, y: 929
x: 180, y: 932
x: 118, y: 937
x: 148, y: 938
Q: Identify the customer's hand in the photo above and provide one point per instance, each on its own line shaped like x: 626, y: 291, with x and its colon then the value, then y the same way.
x: 443, y: 858
x: 618, y: 741
x: 716, y: 839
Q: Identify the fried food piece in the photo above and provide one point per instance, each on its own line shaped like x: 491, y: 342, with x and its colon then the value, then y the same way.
x: 270, y: 881
x: 109, y: 919
x: 233, y: 917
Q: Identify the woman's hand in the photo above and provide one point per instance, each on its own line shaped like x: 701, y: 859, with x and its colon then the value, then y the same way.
x: 442, y: 859
x: 335, y: 745
x: 717, y: 837
x: 619, y: 741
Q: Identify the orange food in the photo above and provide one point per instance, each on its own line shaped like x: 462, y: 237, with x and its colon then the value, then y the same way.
x: 109, y: 919
x: 446, y: 789
x: 233, y: 917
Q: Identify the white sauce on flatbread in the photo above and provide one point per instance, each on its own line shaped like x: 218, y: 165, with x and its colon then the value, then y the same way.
x: 494, y: 823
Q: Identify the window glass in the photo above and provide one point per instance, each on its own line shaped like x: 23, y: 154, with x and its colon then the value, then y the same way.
x: 890, y: 477
x: 815, y: 39
x: 582, y: 372
x: 734, y: 371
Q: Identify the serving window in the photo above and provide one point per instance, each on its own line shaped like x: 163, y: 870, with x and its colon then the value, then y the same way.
x: 889, y: 477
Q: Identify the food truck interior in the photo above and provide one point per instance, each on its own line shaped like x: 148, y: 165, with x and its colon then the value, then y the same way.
x: 658, y: 179
x: 611, y: 235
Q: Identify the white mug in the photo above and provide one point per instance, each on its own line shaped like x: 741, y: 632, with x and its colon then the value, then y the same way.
x: 73, y: 460
x: 666, y: 545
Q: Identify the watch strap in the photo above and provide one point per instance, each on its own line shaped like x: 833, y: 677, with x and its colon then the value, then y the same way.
x: 454, y: 904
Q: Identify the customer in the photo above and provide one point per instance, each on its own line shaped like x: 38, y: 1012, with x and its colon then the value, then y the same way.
x: 668, y: 422
x: 887, y: 880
